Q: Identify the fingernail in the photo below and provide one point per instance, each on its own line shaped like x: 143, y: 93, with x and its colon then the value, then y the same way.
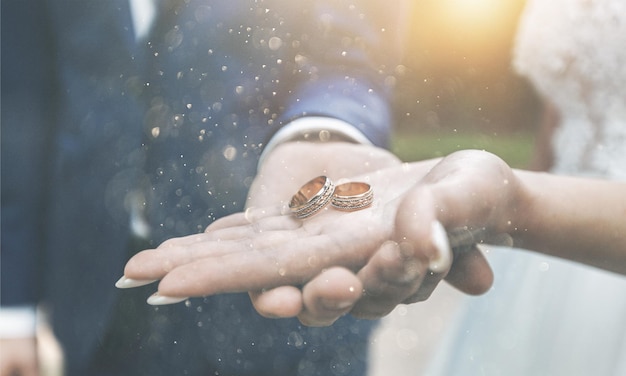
x: 442, y: 261
x: 126, y: 283
x: 156, y: 299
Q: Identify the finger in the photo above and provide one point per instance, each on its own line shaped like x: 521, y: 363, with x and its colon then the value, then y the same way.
x: 471, y: 272
x: 251, y: 229
x: 153, y: 264
x: 429, y: 283
x: 388, y: 279
x: 291, y: 263
x: 411, y: 270
x: 233, y: 220
x: 437, y: 267
x: 280, y: 302
x: 317, y: 245
x: 418, y: 232
x: 329, y: 296
x: 156, y: 263
x: 250, y: 215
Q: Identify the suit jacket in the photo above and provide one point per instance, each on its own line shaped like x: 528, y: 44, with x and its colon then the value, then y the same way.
x: 98, y: 126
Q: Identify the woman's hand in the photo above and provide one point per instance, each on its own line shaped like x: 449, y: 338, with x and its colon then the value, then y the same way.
x: 471, y: 190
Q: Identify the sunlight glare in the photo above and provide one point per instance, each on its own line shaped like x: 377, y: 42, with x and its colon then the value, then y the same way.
x: 472, y: 11
x: 464, y: 27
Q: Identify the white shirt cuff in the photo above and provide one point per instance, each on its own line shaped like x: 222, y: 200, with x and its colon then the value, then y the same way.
x: 18, y: 322
x: 315, y: 129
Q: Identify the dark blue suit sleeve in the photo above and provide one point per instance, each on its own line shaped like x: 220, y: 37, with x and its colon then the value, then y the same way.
x: 26, y: 104
x: 344, y: 56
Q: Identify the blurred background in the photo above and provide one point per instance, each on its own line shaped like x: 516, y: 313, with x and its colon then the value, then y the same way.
x: 457, y: 88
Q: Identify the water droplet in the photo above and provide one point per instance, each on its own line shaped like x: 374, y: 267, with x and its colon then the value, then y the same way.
x: 390, y: 81
x: 312, y: 261
x: 156, y: 131
x: 275, y: 43
x: 173, y: 38
x: 295, y: 339
x: 239, y: 90
x: 230, y: 152
x: 178, y: 120
x: 324, y: 135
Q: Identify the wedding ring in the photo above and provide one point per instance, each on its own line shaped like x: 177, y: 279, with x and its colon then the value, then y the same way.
x: 353, y: 196
x: 312, y: 197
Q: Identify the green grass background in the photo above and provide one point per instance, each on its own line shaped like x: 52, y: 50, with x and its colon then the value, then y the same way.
x: 515, y: 149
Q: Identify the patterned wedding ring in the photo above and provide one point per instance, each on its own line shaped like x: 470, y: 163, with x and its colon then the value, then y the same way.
x: 352, y: 196
x: 312, y: 197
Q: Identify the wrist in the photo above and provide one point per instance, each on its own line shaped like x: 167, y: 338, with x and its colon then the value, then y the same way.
x: 314, y: 129
x: 524, y: 205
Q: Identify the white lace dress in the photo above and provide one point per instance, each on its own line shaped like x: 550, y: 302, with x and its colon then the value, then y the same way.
x: 546, y: 316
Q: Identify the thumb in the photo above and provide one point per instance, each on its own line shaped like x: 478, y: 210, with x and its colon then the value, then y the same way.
x: 427, y: 225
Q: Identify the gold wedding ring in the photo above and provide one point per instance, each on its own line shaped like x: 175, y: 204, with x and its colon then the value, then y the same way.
x: 352, y: 196
x: 312, y: 197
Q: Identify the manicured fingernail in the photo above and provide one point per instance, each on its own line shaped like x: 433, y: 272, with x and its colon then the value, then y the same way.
x: 442, y: 261
x: 126, y: 283
x: 156, y: 299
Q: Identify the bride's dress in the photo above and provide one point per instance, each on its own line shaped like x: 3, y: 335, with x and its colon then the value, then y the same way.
x: 574, y: 52
x: 546, y: 316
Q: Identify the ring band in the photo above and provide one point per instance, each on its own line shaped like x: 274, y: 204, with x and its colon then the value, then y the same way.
x: 312, y: 197
x: 352, y: 196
